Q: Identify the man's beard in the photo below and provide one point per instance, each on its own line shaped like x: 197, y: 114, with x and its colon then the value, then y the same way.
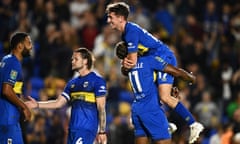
x: 77, y: 68
x: 26, y: 52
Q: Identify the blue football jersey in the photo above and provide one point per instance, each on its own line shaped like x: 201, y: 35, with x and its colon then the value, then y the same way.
x: 141, y: 41
x: 82, y: 92
x: 147, y: 115
x: 138, y: 39
x: 142, y: 81
x: 11, y: 73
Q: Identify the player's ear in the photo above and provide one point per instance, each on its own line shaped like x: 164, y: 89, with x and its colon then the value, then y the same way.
x: 122, y: 19
x: 85, y: 61
x: 20, y: 45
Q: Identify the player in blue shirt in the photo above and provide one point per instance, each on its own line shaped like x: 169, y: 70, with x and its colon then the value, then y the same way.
x: 147, y: 115
x: 11, y: 84
x: 137, y: 37
x: 87, y: 96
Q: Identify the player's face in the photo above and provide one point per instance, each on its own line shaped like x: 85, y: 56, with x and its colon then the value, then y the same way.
x: 27, y: 47
x: 77, y: 61
x: 114, y: 20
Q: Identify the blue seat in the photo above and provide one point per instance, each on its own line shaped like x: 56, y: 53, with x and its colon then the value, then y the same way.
x: 37, y: 84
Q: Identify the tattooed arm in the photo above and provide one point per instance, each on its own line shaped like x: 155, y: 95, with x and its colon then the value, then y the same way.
x: 102, y: 137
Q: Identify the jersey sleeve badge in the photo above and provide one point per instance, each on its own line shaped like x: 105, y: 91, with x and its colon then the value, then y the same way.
x: 13, y: 74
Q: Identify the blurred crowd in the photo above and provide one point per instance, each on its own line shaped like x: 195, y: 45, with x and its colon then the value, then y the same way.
x: 204, y: 34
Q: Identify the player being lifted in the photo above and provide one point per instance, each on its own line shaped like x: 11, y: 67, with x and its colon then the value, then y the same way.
x: 134, y: 36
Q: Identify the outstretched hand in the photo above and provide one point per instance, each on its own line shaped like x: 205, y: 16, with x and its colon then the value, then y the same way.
x: 32, y: 103
x: 102, y: 139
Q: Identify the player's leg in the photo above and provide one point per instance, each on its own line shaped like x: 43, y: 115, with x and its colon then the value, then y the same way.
x: 168, y: 141
x: 174, y: 103
x: 164, y: 91
x: 156, y: 125
x: 141, y: 140
x: 139, y: 132
x: 165, y: 82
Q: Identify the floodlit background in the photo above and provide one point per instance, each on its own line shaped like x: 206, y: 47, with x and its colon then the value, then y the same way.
x: 204, y: 34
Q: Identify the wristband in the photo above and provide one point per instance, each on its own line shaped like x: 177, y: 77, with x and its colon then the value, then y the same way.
x: 100, y: 133
x: 37, y: 105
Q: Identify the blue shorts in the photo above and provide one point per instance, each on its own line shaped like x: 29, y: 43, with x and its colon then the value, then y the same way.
x: 81, y: 137
x: 11, y: 134
x: 165, y: 77
x: 152, y: 124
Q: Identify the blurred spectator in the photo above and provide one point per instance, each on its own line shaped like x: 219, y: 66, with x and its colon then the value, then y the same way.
x: 98, y: 9
x: 164, y: 17
x: 38, y: 14
x: 6, y: 14
x: 204, y: 34
x: 49, y: 16
x: 235, y: 30
x: 198, y: 90
x: 23, y: 19
x: 211, y: 30
x: 216, y: 138
x: 140, y: 17
x: 193, y: 27
x: 77, y: 8
x: 226, y: 75
x: 207, y: 111
x: 49, y: 43
x: 236, y: 138
x: 227, y: 134
x: 89, y: 31
x: 185, y: 46
x: 199, y: 56
x: 233, y: 105
x: 62, y: 10
x: 226, y: 17
x: 236, y: 120
x: 37, y: 132
x: 56, y: 130
x: 236, y: 80
x: 104, y: 47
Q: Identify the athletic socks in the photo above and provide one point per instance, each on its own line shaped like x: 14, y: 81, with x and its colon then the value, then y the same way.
x: 184, y: 113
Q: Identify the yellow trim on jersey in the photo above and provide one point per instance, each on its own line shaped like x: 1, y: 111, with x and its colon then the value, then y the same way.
x: 18, y: 87
x: 155, y: 76
x: 85, y: 96
x: 142, y: 49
